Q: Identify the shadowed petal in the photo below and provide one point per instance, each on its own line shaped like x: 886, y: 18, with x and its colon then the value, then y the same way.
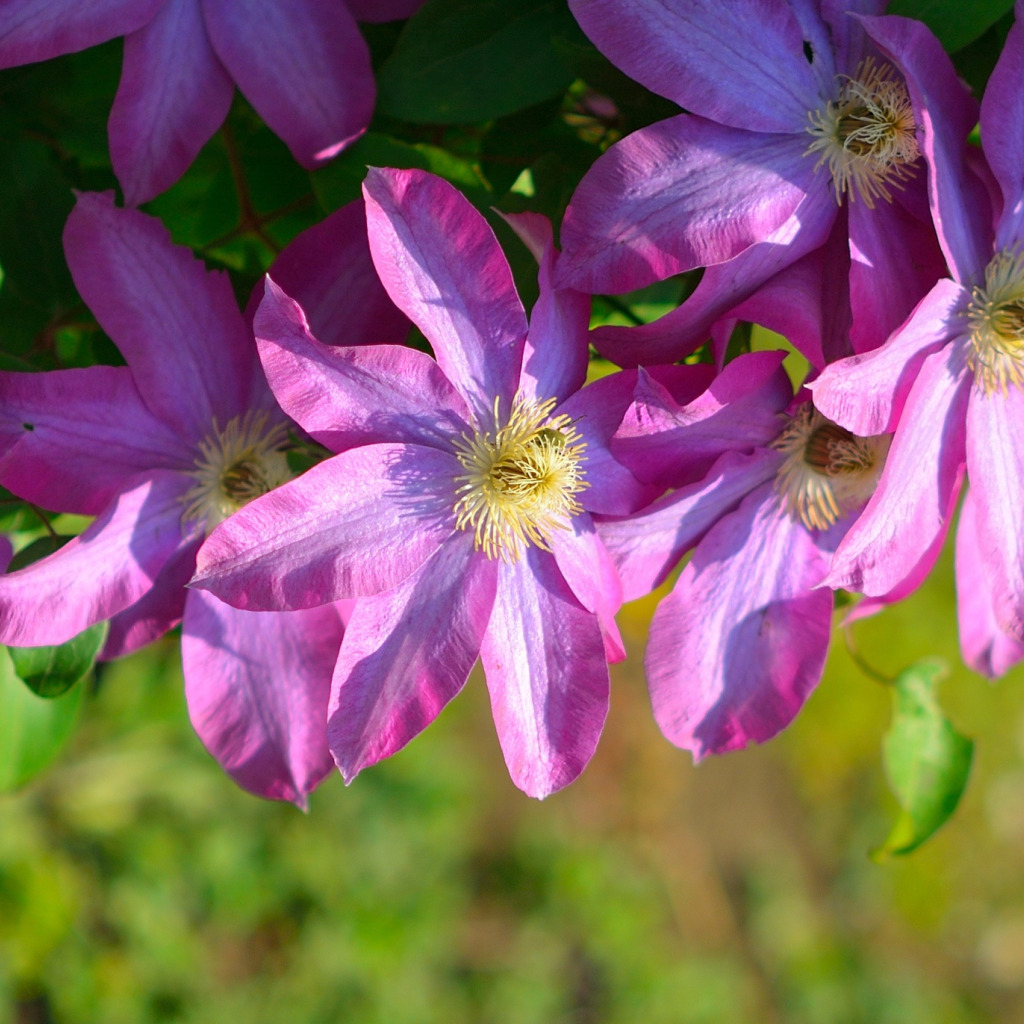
x: 347, y: 397
x: 406, y: 653
x: 77, y: 436
x: 100, y: 573
x: 679, y: 194
x: 303, y: 65
x: 176, y: 324
x: 174, y: 94
x: 741, y: 641
x: 1002, y: 114
x: 544, y: 659
x: 355, y: 525
x: 383, y: 10
x: 443, y: 267
x: 257, y: 685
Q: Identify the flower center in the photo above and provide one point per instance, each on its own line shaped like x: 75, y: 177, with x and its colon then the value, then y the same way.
x: 867, y: 135
x: 828, y: 471
x: 235, y: 465
x: 996, y: 318
x: 520, y: 479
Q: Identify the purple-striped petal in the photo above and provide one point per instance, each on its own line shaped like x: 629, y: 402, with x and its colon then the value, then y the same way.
x: 303, y: 65
x: 544, y: 659
x: 443, y: 267
x: 408, y: 652
x: 257, y: 685
x: 99, y: 573
x: 356, y: 525
x: 347, y: 397
x: 740, y: 643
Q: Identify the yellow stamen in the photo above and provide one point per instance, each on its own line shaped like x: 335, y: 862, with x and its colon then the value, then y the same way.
x: 996, y: 318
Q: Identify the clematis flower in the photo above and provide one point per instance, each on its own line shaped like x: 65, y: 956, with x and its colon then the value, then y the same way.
x: 303, y: 65
x: 795, y: 176
x: 740, y: 642
x: 949, y: 381
x: 160, y: 451
x: 458, y: 508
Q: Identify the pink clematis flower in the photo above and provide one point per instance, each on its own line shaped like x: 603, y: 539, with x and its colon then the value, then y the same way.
x: 740, y: 642
x: 302, y: 64
x: 950, y: 380
x: 160, y: 451
x: 458, y: 510
x: 794, y: 177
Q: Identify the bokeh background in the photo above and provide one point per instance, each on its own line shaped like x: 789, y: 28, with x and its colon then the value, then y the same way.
x: 137, y: 884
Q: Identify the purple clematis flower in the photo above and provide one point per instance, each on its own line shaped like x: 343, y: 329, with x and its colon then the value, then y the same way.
x: 950, y: 380
x: 458, y: 510
x: 302, y: 64
x: 160, y: 451
x: 740, y: 642
x: 794, y: 177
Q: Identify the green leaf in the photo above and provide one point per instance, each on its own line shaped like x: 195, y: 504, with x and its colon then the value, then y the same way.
x: 926, y: 760
x: 459, y: 62
x: 52, y: 671
x: 32, y: 730
x: 955, y: 23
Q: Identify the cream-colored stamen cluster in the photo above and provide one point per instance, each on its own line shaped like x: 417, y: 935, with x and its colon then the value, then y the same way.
x: 866, y: 136
x: 235, y: 465
x: 996, y: 318
x: 828, y: 471
x: 520, y: 479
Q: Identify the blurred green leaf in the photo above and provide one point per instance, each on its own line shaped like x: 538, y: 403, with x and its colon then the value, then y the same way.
x: 52, y: 671
x: 32, y: 730
x: 38, y: 549
x: 926, y: 760
x: 458, y: 62
x: 955, y: 23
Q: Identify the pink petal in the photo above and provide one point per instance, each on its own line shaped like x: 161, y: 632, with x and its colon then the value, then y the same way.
x: 347, y: 397
x: 867, y: 393
x: 257, y: 685
x: 544, y: 659
x: 679, y: 194
x: 995, y: 467
x: 918, y: 489
x: 646, y: 547
x: 443, y: 267
x: 740, y: 643
x: 176, y: 324
x: 100, y: 573
x: 304, y: 67
x: 985, y: 646
x: 174, y: 94
x: 328, y: 271
x: 353, y: 526
x: 34, y: 30
x: 76, y: 437
x: 740, y: 62
x: 408, y: 652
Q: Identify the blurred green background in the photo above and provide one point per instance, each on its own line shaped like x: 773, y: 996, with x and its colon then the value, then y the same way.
x: 137, y: 884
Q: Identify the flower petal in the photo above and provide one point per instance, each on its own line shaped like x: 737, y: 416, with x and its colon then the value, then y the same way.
x: 919, y: 487
x: 328, y: 271
x: 174, y: 94
x: 356, y: 525
x: 544, y: 659
x: 679, y: 194
x: 383, y: 10
x: 176, y: 324
x: 34, y: 30
x: 77, y: 436
x: 740, y: 643
x: 408, y: 652
x: 443, y: 267
x: 100, y: 573
x: 867, y: 393
x: 303, y: 65
x: 740, y: 62
x: 346, y: 397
